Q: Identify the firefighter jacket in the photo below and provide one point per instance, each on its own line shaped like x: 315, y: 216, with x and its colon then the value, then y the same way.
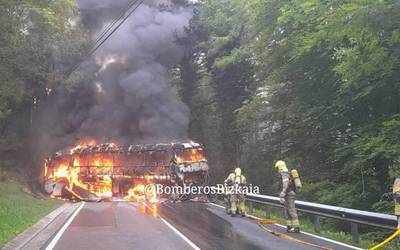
x: 286, y: 184
x: 235, y: 179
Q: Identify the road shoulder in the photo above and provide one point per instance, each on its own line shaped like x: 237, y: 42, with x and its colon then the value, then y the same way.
x: 37, y: 235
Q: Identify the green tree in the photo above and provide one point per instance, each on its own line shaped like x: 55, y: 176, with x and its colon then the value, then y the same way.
x: 40, y: 42
x: 312, y: 82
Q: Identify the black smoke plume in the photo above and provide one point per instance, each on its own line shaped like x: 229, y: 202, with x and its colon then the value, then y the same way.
x: 123, y: 95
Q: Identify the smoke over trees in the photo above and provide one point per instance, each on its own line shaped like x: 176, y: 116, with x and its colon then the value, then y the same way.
x: 121, y: 94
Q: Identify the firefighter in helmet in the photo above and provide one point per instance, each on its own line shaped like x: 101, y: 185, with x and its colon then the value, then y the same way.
x: 287, y: 197
x: 396, y: 193
x: 236, y: 197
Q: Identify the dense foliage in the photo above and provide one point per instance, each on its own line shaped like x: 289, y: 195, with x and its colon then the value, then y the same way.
x: 40, y: 41
x: 313, y: 82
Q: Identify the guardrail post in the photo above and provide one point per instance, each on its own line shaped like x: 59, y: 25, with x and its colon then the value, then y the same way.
x: 250, y: 207
x: 267, y: 212
x: 354, y: 232
x: 317, y: 224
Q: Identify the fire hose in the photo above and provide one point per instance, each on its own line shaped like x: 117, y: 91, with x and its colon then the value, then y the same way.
x: 290, y: 238
x: 261, y: 223
x: 387, y: 240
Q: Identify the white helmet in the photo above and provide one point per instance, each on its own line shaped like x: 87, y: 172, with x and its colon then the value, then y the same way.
x: 238, y: 171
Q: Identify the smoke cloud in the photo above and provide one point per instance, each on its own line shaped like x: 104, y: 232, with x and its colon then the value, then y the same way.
x: 124, y: 95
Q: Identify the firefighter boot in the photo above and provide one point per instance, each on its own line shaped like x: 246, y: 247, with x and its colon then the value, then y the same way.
x: 293, y: 230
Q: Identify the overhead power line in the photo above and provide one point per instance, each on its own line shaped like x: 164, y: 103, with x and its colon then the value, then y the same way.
x: 110, y: 25
x: 109, y: 31
x: 116, y: 28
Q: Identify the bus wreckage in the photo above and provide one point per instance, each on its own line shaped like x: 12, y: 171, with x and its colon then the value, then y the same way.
x: 94, y: 172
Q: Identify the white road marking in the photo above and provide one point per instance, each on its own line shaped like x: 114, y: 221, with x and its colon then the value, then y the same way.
x: 64, y: 227
x: 176, y: 231
x: 216, y: 205
x: 181, y: 235
x: 309, y: 234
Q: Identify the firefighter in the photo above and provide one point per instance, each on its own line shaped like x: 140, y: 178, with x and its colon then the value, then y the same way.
x: 287, y: 197
x: 396, y: 193
x: 235, y: 197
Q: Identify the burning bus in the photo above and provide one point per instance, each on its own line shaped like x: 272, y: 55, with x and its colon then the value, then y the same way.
x: 96, y: 171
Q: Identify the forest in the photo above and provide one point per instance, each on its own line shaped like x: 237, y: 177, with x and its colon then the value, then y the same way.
x: 315, y: 83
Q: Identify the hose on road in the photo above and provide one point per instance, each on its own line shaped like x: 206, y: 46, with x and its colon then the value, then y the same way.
x: 290, y: 238
x: 387, y: 240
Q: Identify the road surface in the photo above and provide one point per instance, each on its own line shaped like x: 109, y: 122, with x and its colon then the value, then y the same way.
x: 185, y: 225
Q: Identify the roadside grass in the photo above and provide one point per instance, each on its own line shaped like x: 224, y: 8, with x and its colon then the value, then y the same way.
x: 19, y: 210
x: 307, y: 225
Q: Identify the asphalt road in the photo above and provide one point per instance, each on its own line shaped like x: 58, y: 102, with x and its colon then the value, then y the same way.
x: 186, y: 225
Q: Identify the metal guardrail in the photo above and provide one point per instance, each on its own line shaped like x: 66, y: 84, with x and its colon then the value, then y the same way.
x: 354, y: 216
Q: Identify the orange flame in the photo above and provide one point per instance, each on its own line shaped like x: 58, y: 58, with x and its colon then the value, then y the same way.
x: 141, y: 192
x: 190, y: 156
x: 61, y: 171
x: 83, y: 143
x: 100, y: 184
